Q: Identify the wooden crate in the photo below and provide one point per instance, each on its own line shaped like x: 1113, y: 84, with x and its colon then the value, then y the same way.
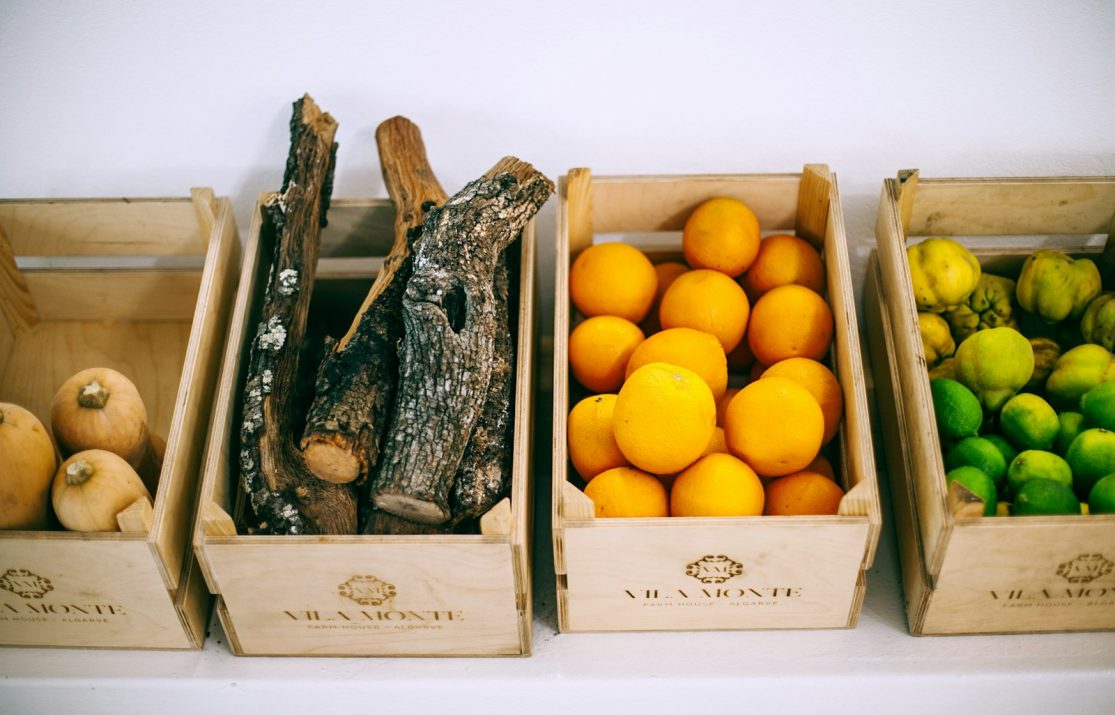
x: 364, y: 595
x: 143, y: 286
x: 964, y: 574
x: 795, y: 572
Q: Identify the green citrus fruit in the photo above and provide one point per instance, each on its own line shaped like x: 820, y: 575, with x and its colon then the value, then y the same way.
x: 1036, y: 464
x: 978, y: 483
x: 1090, y: 456
x: 1007, y: 449
x: 1098, y: 406
x: 1101, y: 500
x: 956, y: 408
x: 1029, y: 422
x: 1072, y: 424
x: 1045, y: 497
x: 980, y: 453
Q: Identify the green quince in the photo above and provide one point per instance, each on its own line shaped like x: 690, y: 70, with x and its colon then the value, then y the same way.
x: 1098, y: 323
x: 994, y: 364
x: 943, y: 273
x: 1056, y: 286
x: 1077, y: 371
x: 935, y: 338
x: 1046, y: 355
x: 991, y: 305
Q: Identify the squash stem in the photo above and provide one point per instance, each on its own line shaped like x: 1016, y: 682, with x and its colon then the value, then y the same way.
x: 78, y: 471
x: 94, y: 395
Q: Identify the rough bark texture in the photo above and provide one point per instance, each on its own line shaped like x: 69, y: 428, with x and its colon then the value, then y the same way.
x: 445, y: 357
x: 484, y: 476
x: 284, y: 496
x: 356, y: 382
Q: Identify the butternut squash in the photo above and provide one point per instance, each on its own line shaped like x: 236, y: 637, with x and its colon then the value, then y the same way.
x: 100, y: 408
x: 92, y: 487
x: 27, y: 462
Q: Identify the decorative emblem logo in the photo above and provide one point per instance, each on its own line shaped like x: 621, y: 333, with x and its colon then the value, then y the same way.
x: 367, y: 590
x: 714, y: 569
x: 25, y: 584
x: 1085, y: 568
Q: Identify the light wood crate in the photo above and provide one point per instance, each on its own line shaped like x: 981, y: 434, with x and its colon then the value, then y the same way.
x: 451, y: 595
x: 789, y: 572
x: 974, y: 574
x: 143, y: 286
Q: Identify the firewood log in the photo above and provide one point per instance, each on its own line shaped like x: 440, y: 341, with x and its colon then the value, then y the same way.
x: 356, y: 382
x: 445, y: 358
x: 284, y: 496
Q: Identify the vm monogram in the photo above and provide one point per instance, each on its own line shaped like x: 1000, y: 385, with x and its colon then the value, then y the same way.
x: 367, y: 590
x: 1085, y: 568
x: 25, y: 584
x: 714, y: 569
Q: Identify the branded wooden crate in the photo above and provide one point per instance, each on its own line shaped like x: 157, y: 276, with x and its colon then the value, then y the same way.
x: 364, y: 595
x: 143, y: 286
x: 712, y: 573
x: 975, y: 574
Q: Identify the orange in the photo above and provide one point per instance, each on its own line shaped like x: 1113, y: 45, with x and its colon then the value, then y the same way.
x: 821, y: 465
x: 599, y: 349
x: 627, y: 492
x: 790, y: 321
x: 820, y: 382
x: 721, y: 234
x: 613, y: 279
x: 722, y: 403
x: 664, y: 418
x: 717, y: 485
x: 784, y: 260
x: 774, y: 425
x: 667, y: 272
x: 802, y: 493
x: 718, y: 443
x: 693, y: 349
x: 592, y: 446
x: 756, y: 371
x: 709, y: 301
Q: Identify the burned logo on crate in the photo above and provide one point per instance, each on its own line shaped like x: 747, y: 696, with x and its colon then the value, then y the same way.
x: 367, y: 590
x: 25, y: 584
x: 1085, y: 568
x: 714, y: 569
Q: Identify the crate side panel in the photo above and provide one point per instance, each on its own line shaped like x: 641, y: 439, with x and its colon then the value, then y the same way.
x: 1020, y: 206
x: 369, y: 599
x: 85, y: 593
x: 926, y: 461
x: 178, y: 487
x: 847, y: 363
x: 105, y: 295
x: 682, y: 575
x: 102, y: 227
x: 663, y: 203
x: 1031, y: 574
x: 892, y: 423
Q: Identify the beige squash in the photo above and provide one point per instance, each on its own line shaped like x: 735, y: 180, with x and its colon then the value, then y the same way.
x: 92, y: 487
x: 27, y: 462
x: 100, y: 408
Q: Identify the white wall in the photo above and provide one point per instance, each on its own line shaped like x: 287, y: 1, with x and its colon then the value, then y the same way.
x: 144, y: 98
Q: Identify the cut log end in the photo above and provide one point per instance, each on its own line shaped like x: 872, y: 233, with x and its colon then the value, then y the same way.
x: 331, y: 461
x: 413, y: 508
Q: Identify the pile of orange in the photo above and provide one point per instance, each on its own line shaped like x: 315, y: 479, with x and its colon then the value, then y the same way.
x: 708, y: 394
